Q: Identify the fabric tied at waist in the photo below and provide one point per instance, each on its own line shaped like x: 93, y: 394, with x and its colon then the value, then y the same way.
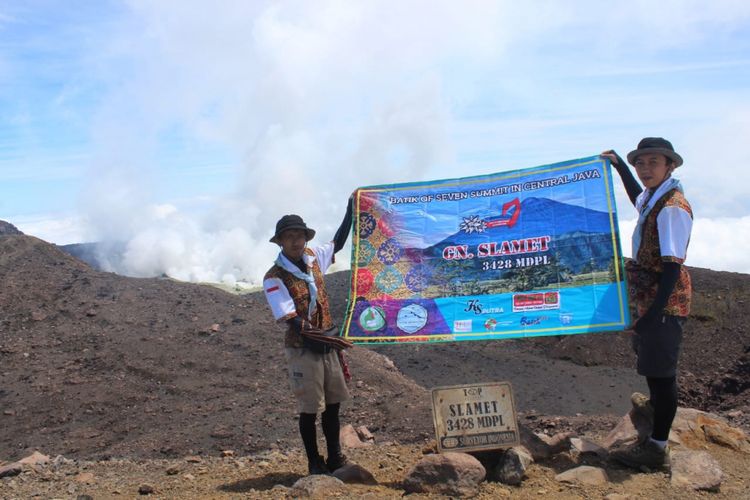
x: 322, y: 341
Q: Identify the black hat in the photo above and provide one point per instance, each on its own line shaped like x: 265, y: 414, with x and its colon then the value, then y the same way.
x: 656, y: 145
x: 291, y: 222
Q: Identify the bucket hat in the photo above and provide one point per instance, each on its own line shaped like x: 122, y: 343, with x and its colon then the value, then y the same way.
x: 656, y: 145
x: 291, y: 221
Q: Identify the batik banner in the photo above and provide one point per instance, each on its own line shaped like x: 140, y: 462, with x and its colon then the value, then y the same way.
x: 515, y: 254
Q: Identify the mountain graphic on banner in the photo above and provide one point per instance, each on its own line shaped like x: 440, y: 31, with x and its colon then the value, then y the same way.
x: 537, y: 217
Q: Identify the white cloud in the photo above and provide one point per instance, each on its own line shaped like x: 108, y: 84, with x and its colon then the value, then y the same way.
x: 316, y: 98
x: 53, y: 228
x: 719, y: 244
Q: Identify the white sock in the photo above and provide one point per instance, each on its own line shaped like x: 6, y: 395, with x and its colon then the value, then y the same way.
x: 662, y: 444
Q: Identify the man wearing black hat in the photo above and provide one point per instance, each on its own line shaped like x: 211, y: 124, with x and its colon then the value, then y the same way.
x: 659, y: 286
x: 296, y: 292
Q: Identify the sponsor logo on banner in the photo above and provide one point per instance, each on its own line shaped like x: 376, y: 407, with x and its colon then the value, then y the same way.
x: 541, y: 301
x: 411, y: 318
x: 566, y: 319
x: 462, y: 325
x: 526, y: 321
x: 372, y: 319
x: 476, y: 307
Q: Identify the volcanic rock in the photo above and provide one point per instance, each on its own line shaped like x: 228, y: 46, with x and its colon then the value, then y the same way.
x: 696, y: 470
x: 456, y: 474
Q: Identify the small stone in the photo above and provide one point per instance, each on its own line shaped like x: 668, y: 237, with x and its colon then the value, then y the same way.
x: 189, y: 477
x: 38, y: 316
x: 145, y: 489
x: 585, y: 474
x: 9, y: 413
x: 84, y: 477
x: 192, y: 459
x: 364, y: 434
x: 172, y: 470
x: 9, y: 470
x: 35, y: 458
x: 227, y: 453
x: 215, y: 327
x: 430, y: 448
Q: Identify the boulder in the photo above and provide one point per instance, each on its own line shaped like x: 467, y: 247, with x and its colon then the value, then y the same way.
x: 513, y: 465
x: 350, y: 438
x: 696, y: 470
x: 15, y: 468
x: 583, y: 446
x: 694, y: 428
x: 691, y: 428
x: 35, y: 458
x: 454, y: 474
x: 585, y: 474
x: 317, y: 486
x: 354, y: 474
x: 542, y: 446
x: 623, y: 433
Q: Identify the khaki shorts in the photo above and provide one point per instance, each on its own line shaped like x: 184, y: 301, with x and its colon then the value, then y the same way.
x: 316, y: 379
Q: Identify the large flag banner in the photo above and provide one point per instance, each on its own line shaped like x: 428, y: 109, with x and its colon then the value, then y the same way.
x: 516, y: 254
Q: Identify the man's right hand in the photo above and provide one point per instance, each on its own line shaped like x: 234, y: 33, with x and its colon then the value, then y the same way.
x: 611, y: 156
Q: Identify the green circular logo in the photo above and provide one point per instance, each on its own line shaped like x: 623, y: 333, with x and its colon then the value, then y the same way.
x: 372, y: 319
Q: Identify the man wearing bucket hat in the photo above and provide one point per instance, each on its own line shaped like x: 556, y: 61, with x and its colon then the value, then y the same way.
x: 296, y: 292
x: 659, y: 286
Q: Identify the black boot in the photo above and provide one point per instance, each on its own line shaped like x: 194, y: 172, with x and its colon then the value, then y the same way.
x: 317, y: 466
x: 331, y: 429
x: 336, y: 461
x: 315, y: 463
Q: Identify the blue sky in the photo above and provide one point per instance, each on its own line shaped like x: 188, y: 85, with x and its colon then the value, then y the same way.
x: 187, y: 128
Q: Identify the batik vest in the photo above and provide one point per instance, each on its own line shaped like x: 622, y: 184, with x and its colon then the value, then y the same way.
x: 300, y: 294
x: 643, y: 275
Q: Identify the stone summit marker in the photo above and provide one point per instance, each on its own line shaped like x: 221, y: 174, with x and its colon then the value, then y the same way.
x: 475, y: 417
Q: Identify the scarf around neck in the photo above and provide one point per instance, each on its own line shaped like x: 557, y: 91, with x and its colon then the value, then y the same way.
x: 645, y: 203
x: 283, y: 262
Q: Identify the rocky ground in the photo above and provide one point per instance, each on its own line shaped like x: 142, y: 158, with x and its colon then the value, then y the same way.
x: 271, y: 474
x: 126, y: 377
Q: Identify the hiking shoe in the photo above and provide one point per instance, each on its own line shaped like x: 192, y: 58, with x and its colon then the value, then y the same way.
x: 643, y: 454
x: 337, y: 462
x: 317, y: 466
